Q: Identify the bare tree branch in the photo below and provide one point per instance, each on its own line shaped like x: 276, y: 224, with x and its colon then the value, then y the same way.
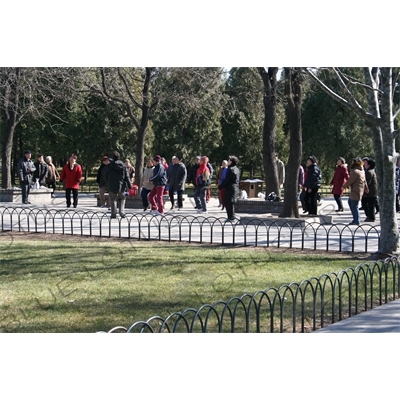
x: 354, y: 106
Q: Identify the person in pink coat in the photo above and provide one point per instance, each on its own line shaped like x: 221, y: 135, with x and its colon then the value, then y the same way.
x: 339, y: 179
x: 71, y: 177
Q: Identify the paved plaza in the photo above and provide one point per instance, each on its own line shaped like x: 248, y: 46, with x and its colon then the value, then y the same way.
x: 188, y: 225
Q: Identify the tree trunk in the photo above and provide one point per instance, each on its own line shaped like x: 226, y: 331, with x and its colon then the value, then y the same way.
x: 380, y: 119
x: 7, y: 156
x: 141, y: 135
x: 269, y: 129
x: 389, y: 240
x: 293, y: 92
x: 9, y: 114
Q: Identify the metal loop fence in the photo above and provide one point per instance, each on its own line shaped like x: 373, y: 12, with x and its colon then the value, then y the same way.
x: 295, y: 307
x: 193, y: 228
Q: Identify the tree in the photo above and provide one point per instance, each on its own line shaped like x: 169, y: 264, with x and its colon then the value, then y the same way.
x: 187, y: 120
x: 331, y: 130
x: 129, y: 91
x: 138, y: 93
x: 379, y: 114
x: 294, y: 96
x: 269, y: 78
x: 26, y: 91
x: 243, y: 119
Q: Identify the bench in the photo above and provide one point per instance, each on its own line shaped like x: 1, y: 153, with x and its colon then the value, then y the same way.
x: 36, y: 196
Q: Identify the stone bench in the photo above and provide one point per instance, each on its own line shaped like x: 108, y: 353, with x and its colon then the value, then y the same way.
x: 258, y: 206
x: 36, y: 196
x: 298, y: 222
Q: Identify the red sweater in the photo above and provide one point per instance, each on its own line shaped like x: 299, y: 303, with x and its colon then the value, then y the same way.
x: 71, y: 177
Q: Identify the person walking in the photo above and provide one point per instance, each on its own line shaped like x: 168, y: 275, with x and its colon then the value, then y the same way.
x: 208, y: 192
x: 52, y: 175
x: 25, y: 169
x: 369, y: 199
x: 191, y: 176
x: 358, y: 186
x: 71, y: 176
x: 159, y: 180
x: 304, y: 192
x: 339, y: 179
x: 147, y: 186
x: 202, y: 183
x: 220, y: 178
x: 231, y: 186
x: 118, y: 182
x: 312, y: 184
x: 166, y: 166
x: 131, y: 170
x: 176, y: 181
x: 101, y: 182
x: 281, y: 174
x: 41, y: 170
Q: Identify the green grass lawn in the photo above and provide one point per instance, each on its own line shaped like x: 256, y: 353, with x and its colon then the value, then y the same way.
x: 54, y: 283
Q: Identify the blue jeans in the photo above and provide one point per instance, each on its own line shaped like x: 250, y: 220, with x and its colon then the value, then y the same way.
x: 200, y: 198
x: 353, y: 204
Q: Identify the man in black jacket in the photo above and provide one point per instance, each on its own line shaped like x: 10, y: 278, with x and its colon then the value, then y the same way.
x: 312, y: 184
x: 370, y: 198
x: 231, y: 185
x: 176, y: 180
x: 25, y: 169
x: 41, y: 170
x: 159, y: 180
x: 118, y: 182
x: 101, y: 182
x: 191, y: 176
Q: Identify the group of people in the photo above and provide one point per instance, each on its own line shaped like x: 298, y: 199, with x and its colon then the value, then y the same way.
x: 159, y: 178
x: 41, y: 171
x: 361, y: 180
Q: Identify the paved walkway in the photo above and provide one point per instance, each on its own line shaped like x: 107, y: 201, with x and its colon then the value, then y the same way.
x: 381, y: 319
x: 88, y: 219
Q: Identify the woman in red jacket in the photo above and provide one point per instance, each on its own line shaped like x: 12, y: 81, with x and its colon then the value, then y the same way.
x: 339, y: 179
x: 71, y: 176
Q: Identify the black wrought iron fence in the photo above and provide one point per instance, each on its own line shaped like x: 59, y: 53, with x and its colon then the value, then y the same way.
x: 193, y: 228
x: 295, y: 307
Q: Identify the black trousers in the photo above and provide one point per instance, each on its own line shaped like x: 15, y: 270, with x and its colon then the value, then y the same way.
x: 230, y: 209
x: 179, y: 195
x: 369, y: 205
x: 25, y: 186
x: 52, y: 185
x: 74, y: 196
x: 311, y: 200
x: 303, y: 203
x: 338, y: 200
